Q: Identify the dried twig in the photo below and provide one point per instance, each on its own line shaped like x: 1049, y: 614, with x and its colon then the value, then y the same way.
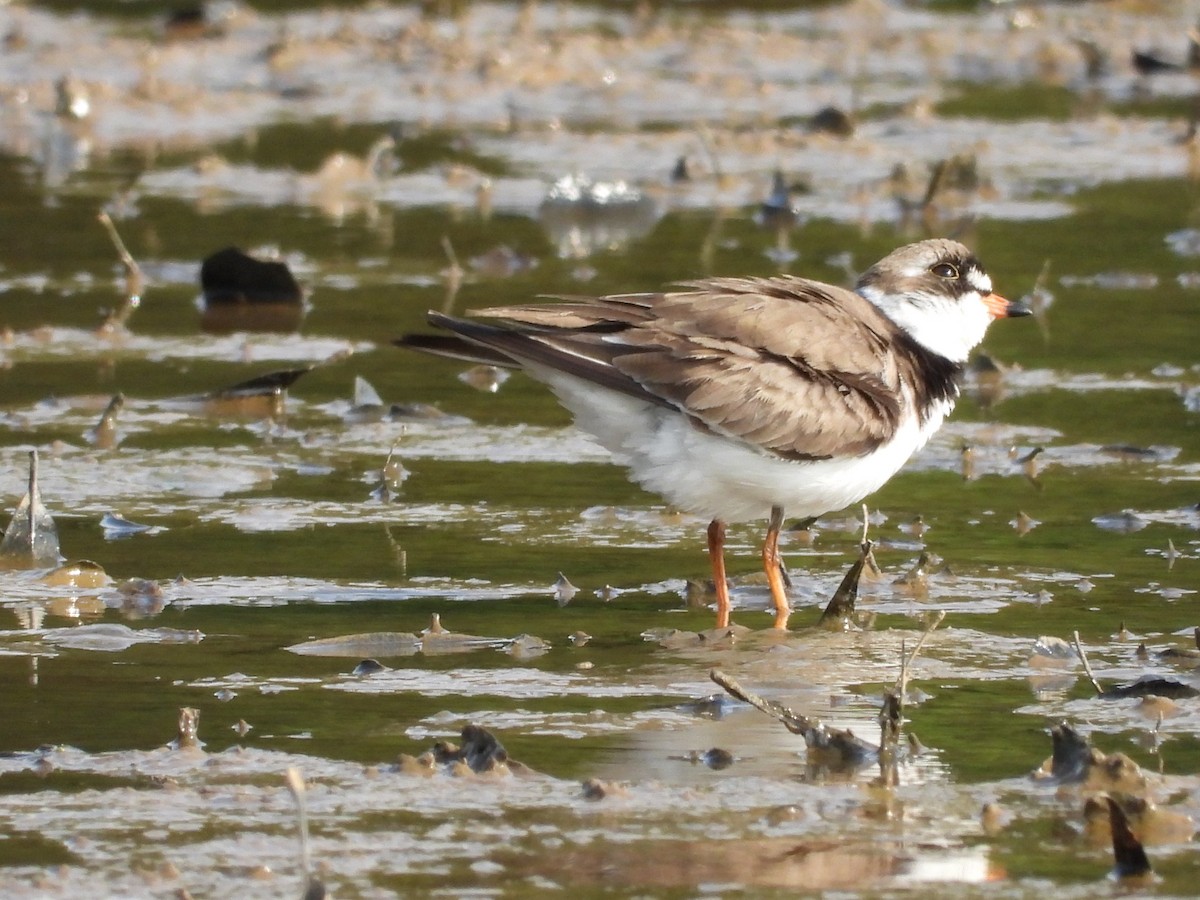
x: 906, y: 662
x: 313, y: 888
x: 892, y: 713
x: 712, y: 237
x: 134, y: 280
x: 794, y: 723
x: 451, y: 256
x: 890, y: 717
x: 454, y: 275
x: 1087, y: 667
x: 706, y: 142
x: 122, y: 251
x: 834, y: 747
x: 936, y: 179
x: 1039, y: 283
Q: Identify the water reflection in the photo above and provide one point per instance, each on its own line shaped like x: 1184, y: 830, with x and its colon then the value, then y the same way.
x: 582, y: 216
x: 264, y: 531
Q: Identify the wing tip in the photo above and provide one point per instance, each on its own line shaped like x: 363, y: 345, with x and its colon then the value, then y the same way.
x: 467, y: 342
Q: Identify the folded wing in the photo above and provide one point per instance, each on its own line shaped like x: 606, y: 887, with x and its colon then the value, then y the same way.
x: 802, y: 369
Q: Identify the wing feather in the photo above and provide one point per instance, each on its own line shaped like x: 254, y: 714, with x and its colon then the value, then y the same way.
x: 803, y: 369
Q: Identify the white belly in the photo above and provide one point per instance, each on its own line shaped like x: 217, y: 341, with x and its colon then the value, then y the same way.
x: 717, y: 477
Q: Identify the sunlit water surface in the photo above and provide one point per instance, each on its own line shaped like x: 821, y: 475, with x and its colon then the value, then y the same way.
x: 266, y: 529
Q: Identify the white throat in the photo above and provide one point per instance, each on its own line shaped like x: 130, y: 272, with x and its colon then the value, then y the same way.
x: 946, y: 326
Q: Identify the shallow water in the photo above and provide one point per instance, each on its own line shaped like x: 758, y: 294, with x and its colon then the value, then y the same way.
x: 266, y: 531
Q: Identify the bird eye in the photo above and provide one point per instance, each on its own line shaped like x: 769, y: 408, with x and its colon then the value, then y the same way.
x: 945, y: 270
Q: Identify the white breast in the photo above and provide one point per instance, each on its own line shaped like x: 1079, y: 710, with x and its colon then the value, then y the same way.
x: 718, y: 477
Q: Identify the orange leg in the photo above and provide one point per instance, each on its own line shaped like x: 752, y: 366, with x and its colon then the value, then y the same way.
x: 716, y: 554
x: 773, y: 566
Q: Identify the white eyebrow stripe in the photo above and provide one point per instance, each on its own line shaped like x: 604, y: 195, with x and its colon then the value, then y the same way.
x: 981, y: 281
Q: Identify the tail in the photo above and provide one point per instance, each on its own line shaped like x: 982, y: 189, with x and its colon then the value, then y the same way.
x: 469, y: 343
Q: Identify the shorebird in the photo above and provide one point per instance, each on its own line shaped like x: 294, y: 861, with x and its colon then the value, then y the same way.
x: 732, y: 397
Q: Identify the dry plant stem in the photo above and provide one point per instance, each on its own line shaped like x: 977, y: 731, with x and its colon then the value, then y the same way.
x: 711, y: 238
x: 454, y: 275
x: 295, y: 784
x: 1087, y: 667
x: 399, y: 554
x: 134, y: 282
x: 831, y: 747
x: 892, y: 713
x: 1040, y: 281
x: 122, y: 251
x: 867, y: 546
x: 34, y: 494
x: 890, y: 717
x: 707, y: 143
x: 451, y: 256
x: 794, y: 723
x: 907, y: 661
x: 935, y: 184
x: 396, y: 443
